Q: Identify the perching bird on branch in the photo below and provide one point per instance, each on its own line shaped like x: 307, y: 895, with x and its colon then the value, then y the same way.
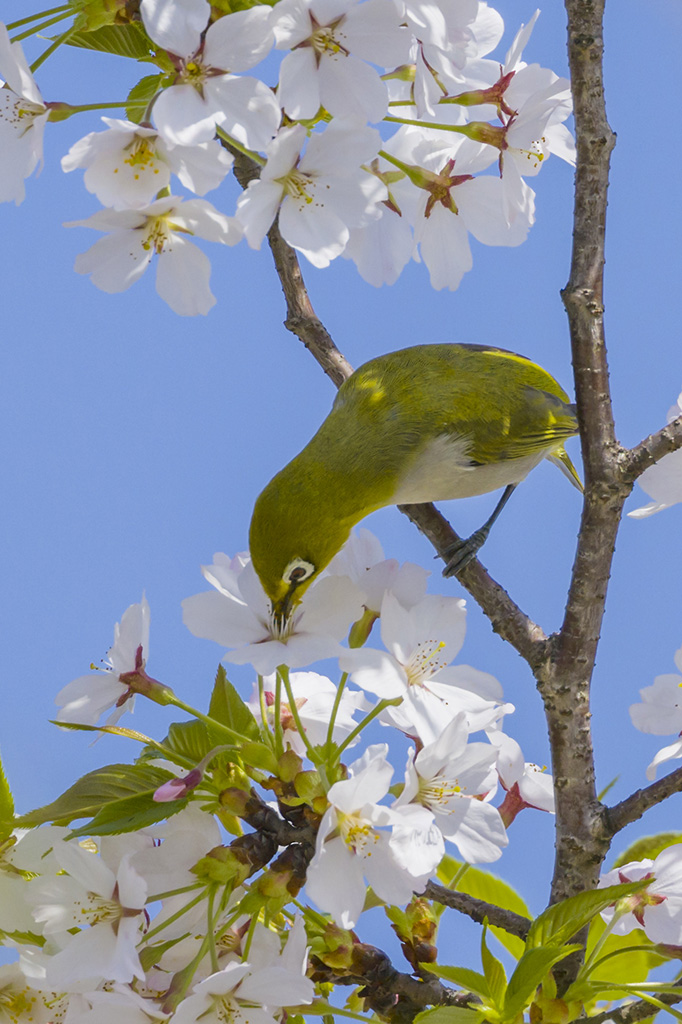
x: 427, y: 423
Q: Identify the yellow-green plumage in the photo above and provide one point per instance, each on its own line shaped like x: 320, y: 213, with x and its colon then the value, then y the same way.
x: 422, y: 424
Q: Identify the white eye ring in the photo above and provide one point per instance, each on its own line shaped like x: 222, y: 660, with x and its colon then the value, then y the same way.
x: 297, y: 571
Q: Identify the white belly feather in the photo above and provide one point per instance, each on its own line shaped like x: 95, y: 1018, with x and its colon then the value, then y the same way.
x: 443, y: 471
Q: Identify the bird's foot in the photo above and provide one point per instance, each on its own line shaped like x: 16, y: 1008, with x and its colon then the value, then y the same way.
x: 462, y: 552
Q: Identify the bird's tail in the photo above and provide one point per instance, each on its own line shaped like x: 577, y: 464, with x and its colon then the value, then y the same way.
x: 561, y: 458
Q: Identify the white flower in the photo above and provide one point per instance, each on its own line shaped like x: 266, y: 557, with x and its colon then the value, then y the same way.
x: 362, y: 559
x: 23, y: 117
x: 319, y: 195
x: 353, y: 842
x: 526, y: 783
x: 238, y: 615
x: 663, y: 480
x: 87, y: 698
x: 251, y: 991
x: 19, y: 1002
x: 119, y: 259
x: 446, y: 776
x: 658, y: 908
x: 314, y: 695
x: 178, y: 844
x: 660, y: 713
x: 420, y: 644
x: 90, y: 894
x: 205, y: 92
x: 127, y: 165
x: 326, y: 40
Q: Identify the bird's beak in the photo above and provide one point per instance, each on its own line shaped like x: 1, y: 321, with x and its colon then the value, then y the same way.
x: 282, y: 609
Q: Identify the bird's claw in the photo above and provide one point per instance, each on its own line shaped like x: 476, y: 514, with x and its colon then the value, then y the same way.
x: 462, y: 552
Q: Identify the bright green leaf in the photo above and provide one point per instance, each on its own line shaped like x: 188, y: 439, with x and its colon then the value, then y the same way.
x: 228, y: 708
x: 129, y: 40
x: 91, y: 793
x: 561, y: 921
x: 447, y: 1015
x: 484, y: 885
x: 258, y: 755
x: 130, y: 814
x: 648, y: 847
x: 529, y: 973
x: 7, y: 823
x: 494, y: 973
x: 141, y: 95
x: 632, y: 964
x: 190, y: 740
x: 467, y: 979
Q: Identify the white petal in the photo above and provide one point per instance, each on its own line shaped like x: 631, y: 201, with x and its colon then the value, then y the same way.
x: 245, y: 108
x: 239, y: 41
x: 115, y: 262
x: 351, y: 89
x: 176, y: 25
x: 299, y: 86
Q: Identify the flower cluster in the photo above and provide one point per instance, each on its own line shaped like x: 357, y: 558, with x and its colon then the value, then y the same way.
x: 153, y: 909
x: 416, y: 189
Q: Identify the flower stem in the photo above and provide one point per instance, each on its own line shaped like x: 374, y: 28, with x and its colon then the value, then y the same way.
x: 461, y: 129
x: 43, y: 24
x: 295, y: 715
x: 211, y: 931
x: 210, y: 722
x: 335, y: 708
x: 381, y: 706
x: 34, y: 17
x: 53, y: 46
x: 279, y: 732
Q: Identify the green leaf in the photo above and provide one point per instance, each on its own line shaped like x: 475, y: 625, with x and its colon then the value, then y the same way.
x: 648, y: 847
x: 631, y: 965
x: 7, y: 823
x: 447, y: 1015
x: 130, y: 814
x: 96, y: 790
x: 189, y: 740
x: 259, y: 755
x: 494, y: 973
x: 141, y: 95
x: 129, y: 40
x: 228, y: 708
x: 561, y: 921
x: 530, y: 971
x: 467, y: 979
x: 483, y: 885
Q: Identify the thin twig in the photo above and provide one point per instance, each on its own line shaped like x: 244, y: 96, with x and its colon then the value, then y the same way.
x: 479, y: 910
x: 631, y: 1012
x: 635, y: 805
x: 653, y: 448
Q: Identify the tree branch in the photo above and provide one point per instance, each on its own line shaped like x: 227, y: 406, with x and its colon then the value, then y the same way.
x: 581, y: 840
x: 479, y: 910
x: 635, y: 805
x: 652, y: 449
x: 631, y: 1012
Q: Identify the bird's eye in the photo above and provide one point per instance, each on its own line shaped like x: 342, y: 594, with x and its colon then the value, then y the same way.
x: 298, y: 570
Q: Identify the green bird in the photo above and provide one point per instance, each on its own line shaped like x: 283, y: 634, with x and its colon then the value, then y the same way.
x: 428, y: 423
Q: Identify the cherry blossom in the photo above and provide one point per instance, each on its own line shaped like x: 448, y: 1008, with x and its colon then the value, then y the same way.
x: 660, y: 713
x: 662, y: 481
x: 205, y: 92
x: 127, y: 165
x: 658, y: 909
x: 527, y: 784
x: 319, y: 194
x: 354, y: 842
x: 23, y: 117
x: 329, y: 44
x: 362, y: 559
x: 251, y: 992
x: 420, y: 642
x: 315, y: 696
x: 446, y: 776
x: 119, y: 259
x: 237, y: 614
x: 87, y: 698
x: 105, y: 905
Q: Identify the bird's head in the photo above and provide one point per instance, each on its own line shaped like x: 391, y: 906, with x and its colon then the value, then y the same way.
x: 295, y: 532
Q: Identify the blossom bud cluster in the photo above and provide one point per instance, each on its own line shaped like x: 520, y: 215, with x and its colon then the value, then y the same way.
x: 381, y: 131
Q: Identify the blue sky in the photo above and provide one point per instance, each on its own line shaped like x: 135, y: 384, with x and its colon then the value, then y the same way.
x: 135, y: 442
